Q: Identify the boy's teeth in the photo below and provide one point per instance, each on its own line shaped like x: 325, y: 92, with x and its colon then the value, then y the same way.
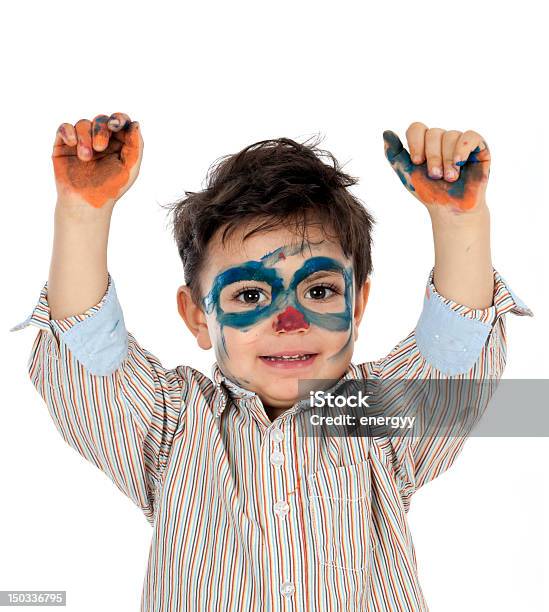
x: 294, y: 357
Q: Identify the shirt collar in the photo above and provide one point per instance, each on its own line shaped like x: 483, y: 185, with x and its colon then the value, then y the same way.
x: 225, y: 387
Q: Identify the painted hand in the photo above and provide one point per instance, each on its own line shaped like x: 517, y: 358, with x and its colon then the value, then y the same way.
x: 99, y: 160
x: 446, y: 169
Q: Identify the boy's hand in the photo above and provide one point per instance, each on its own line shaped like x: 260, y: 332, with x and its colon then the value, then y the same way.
x: 447, y: 170
x: 97, y: 161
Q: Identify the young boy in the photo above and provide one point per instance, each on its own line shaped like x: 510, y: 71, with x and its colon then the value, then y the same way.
x: 247, y: 514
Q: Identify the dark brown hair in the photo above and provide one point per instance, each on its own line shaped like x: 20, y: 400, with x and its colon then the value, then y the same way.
x: 280, y: 182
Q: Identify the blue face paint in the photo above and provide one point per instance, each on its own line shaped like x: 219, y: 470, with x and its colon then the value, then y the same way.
x: 399, y: 158
x: 337, y: 321
x: 281, y: 297
x: 270, y: 259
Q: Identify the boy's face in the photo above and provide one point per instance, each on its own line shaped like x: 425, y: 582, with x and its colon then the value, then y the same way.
x: 265, y: 298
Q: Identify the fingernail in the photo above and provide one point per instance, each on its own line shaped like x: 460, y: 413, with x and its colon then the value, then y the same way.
x: 450, y: 173
x: 416, y: 159
x: 436, y: 171
x: 85, y: 152
x: 114, y: 123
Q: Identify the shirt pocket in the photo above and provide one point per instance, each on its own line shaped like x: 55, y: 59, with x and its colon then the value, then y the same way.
x: 340, y: 509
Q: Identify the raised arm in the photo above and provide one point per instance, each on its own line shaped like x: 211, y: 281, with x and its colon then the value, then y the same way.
x: 460, y: 335
x: 111, y: 400
x: 95, y: 163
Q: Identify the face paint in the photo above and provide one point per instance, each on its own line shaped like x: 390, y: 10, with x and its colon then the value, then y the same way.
x: 240, y: 381
x: 460, y: 195
x: 291, y: 314
x: 290, y: 320
x: 99, y: 180
x: 270, y: 259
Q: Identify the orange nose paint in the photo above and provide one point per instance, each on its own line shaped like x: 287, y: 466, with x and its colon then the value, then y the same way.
x: 290, y: 320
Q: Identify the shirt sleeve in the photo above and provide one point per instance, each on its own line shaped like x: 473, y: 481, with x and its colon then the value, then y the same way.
x: 450, y: 342
x: 111, y: 400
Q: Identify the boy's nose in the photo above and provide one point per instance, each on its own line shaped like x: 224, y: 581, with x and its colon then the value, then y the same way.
x: 290, y: 320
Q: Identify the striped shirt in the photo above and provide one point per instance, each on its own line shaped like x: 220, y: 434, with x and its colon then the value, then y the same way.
x: 246, y: 513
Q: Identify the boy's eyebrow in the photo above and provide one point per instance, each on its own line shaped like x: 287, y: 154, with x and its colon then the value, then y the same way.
x: 321, y: 273
x: 311, y: 278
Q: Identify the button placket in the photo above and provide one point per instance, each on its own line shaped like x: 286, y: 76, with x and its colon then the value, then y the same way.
x: 281, y: 508
x: 277, y: 456
x: 277, y: 435
x: 287, y: 588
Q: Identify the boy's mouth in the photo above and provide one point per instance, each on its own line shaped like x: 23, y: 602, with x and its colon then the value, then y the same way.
x: 289, y: 359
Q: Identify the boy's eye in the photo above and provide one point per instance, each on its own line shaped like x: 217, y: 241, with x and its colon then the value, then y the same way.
x: 250, y: 296
x: 322, y: 292
x: 256, y: 296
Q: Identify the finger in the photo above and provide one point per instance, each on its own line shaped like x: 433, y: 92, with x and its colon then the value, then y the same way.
x: 100, y: 132
x: 471, y: 147
x: 394, y: 149
x: 449, y: 139
x: 117, y: 121
x: 133, y: 145
x: 398, y: 157
x: 65, y: 135
x: 433, y: 152
x: 415, y: 135
x: 84, y: 136
x: 114, y: 146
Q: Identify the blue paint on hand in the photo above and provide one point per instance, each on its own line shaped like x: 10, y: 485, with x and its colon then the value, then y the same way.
x: 399, y: 158
x: 472, y: 158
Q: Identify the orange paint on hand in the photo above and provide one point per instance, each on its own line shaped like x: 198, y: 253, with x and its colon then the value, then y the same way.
x: 103, y: 178
x: 462, y: 194
x: 100, y: 132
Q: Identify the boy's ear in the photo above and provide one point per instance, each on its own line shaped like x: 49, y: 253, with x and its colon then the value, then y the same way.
x: 361, y: 300
x: 194, y: 317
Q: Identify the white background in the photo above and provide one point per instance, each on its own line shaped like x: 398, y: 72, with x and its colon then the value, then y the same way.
x: 205, y: 80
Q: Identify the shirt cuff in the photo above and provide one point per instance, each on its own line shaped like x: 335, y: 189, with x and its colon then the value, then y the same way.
x: 97, y: 337
x: 450, y: 335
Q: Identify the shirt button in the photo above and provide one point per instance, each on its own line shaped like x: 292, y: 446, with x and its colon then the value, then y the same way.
x: 277, y: 435
x: 281, y: 508
x: 277, y: 458
x: 287, y: 588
